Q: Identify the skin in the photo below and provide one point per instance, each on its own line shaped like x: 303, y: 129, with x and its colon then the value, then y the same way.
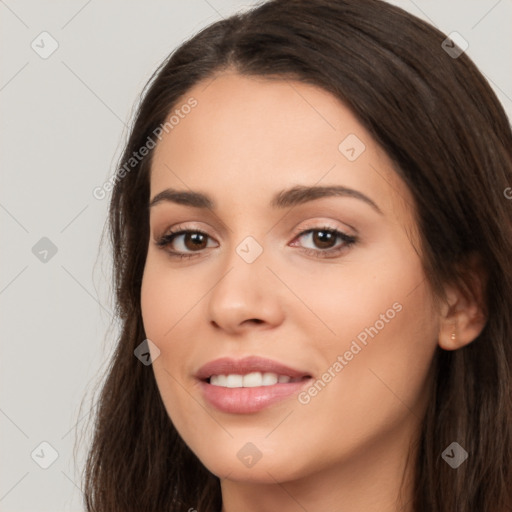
x: 346, y: 449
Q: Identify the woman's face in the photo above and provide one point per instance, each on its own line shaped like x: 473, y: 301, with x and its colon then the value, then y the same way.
x: 344, y: 323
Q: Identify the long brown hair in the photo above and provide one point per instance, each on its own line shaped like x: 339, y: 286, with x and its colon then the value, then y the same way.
x: 451, y: 143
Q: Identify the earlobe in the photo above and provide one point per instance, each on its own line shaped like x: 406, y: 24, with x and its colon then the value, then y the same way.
x: 463, y: 316
x: 460, y: 329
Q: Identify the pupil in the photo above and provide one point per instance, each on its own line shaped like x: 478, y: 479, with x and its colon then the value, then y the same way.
x: 195, y: 238
x: 327, y: 239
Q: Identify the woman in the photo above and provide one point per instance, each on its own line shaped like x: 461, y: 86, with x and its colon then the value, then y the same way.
x: 312, y: 245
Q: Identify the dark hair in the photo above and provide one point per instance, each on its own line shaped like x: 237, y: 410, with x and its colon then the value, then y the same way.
x: 451, y: 143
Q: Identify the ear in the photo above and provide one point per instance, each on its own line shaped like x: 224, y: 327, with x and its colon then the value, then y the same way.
x: 463, y: 315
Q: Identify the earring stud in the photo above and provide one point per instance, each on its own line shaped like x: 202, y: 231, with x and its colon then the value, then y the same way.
x: 453, y: 336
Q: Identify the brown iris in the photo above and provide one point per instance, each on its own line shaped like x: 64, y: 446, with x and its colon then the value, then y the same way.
x: 323, y: 239
x: 195, y: 241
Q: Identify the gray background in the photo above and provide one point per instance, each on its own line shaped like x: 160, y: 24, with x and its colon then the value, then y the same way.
x: 63, y: 123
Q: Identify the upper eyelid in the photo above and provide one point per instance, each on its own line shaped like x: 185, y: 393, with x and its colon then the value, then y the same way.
x: 223, y: 229
x: 313, y: 225
x: 318, y: 223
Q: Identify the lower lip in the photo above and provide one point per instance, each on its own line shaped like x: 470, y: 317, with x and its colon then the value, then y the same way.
x: 248, y: 400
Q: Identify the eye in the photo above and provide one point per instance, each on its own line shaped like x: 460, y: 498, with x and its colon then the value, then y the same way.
x: 325, y: 239
x: 184, y: 240
x: 188, y: 243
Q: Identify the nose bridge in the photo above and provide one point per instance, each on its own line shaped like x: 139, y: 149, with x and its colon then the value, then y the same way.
x: 247, y: 239
x: 250, y: 249
x: 246, y: 266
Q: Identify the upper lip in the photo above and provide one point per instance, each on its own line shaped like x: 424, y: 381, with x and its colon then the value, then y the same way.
x: 226, y: 366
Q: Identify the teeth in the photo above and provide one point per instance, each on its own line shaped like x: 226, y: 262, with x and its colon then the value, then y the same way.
x: 250, y: 380
x: 269, y: 379
x: 222, y: 380
x: 234, y: 381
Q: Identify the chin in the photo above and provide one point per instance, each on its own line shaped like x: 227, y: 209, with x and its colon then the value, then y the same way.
x: 250, y: 464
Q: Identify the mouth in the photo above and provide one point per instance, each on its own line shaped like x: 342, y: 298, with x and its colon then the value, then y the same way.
x: 248, y: 385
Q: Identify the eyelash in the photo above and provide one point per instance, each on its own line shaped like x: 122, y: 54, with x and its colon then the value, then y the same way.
x: 348, y: 240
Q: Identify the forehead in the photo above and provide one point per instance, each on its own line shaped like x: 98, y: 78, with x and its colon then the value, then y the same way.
x: 248, y: 134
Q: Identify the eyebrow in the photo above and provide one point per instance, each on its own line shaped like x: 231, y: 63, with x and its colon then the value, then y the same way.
x: 296, y: 195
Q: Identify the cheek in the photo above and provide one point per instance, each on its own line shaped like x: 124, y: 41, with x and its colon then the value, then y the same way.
x: 162, y: 307
x: 384, y: 327
x: 360, y: 297
x: 164, y: 298
x: 386, y: 331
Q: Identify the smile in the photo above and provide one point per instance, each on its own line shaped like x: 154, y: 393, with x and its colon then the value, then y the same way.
x: 248, y: 385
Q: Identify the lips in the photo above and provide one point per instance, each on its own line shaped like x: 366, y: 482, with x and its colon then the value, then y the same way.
x: 233, y: 386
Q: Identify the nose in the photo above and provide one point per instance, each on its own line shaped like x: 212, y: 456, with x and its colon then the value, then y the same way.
x: 247, y: 295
